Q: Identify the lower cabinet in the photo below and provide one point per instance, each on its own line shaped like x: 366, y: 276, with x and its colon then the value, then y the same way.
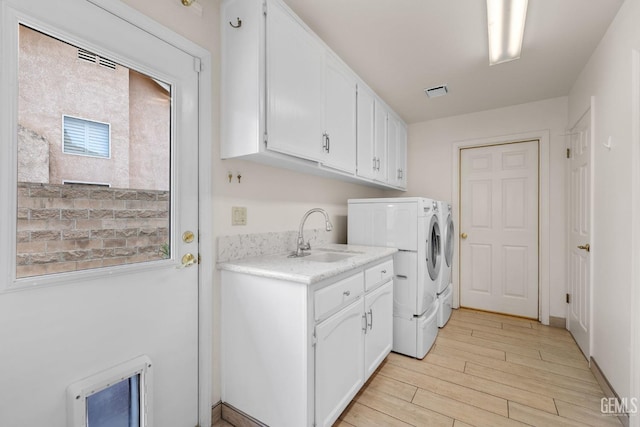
x: 295, y: 354
x: 350, y: 345
x: 339, y: 363
x: 379, y: 332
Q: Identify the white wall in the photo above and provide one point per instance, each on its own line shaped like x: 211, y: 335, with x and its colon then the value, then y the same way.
x: 430, y: 165
x: 608, y: 77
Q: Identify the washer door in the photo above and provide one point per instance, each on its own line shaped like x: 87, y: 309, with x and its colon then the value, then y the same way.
x: 449, y: 241
x: 434, y: 248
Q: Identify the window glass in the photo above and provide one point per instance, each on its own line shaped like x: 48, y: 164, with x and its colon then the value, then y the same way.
x: 93, y: 160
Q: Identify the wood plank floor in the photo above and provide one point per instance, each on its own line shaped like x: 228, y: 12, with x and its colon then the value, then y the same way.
x: 484, y: 370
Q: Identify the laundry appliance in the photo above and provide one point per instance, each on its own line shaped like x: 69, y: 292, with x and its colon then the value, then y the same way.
x: 445, y: 289
x: 412, y: 225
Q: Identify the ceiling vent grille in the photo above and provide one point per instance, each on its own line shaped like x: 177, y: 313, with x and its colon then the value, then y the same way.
x: 434, y: 92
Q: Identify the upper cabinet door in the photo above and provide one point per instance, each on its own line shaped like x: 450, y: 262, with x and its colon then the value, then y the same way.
x: 339, y: 143
x: 401, y: 159
x: 366, y: 157
x: 380, y: 142
x: 295, y: 60
x: 397, y: 152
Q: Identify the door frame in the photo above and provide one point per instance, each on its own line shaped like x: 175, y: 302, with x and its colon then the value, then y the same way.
x: 635, y: 231
x: 205, y: 208
x: 544, y: 264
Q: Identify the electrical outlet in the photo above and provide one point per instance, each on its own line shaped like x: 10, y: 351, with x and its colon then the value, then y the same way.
x: 238, y: 215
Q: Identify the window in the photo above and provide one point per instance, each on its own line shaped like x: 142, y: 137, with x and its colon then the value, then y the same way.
x: 86, y: 137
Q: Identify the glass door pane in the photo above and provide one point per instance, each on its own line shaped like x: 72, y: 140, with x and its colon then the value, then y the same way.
x: 94, y: 161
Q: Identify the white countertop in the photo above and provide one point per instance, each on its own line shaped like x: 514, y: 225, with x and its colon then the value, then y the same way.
x: 307, y: 271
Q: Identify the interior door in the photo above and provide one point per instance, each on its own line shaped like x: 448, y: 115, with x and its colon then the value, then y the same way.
x: 499, y: 228
x: 580, y: 232
x: 97, y: 281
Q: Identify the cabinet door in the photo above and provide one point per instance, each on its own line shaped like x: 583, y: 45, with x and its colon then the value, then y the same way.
x: 392, y: 155
x: 340, y: 116
x: 397, y: 152
x: 401, y: 160
x: 295, y: 61
x: 366, y: 158
x: 380, y: 141
x: 339, y: 365
x: 379, y: 334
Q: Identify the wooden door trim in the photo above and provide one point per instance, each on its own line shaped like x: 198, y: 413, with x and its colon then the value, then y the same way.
x: 543, y: 211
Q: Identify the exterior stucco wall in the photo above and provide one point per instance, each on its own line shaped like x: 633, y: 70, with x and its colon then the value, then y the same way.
x: 53, y: 82
x: 149, y: 119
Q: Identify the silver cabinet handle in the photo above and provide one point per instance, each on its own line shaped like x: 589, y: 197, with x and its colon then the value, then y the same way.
x: 364, y: 328
x: 328, y: 143
x: 370, y: 323
x: 374, y: 163
x: 346, y: 293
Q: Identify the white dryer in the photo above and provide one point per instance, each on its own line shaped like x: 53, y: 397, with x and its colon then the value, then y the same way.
x: 412, y: 225
x: 445, y: 293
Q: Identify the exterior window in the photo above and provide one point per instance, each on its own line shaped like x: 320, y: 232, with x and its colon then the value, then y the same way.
x: 86, y: 137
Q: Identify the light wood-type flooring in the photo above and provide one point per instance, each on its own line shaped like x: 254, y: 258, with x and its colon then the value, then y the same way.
x: 484, y: 370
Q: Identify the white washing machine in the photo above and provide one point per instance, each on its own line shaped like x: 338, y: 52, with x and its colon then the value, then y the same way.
x: 412, y: 225
x: 445, y: 292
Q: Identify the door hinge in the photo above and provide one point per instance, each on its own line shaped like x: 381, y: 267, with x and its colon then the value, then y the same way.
x: 314, y: 340
x: 568, y: 299
x: 568, y: 153
x: 266, y: 139
x: 264, y: 8
x: 197, y: 65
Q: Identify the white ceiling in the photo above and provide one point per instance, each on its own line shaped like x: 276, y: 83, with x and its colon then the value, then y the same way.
x: 400, y: 47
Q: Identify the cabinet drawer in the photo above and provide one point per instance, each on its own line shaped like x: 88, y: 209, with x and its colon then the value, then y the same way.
x: 338, y: 295
x: 378, y: 274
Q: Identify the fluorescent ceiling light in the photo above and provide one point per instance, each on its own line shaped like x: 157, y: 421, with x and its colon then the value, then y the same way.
x: 505, y: 20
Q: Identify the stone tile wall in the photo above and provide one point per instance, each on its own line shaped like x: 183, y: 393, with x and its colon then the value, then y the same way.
x: 65, y: 228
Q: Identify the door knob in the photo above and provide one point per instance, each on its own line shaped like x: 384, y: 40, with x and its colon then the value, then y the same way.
x: 585, y: 247
x: 188, y: 260
x: 463, y: 235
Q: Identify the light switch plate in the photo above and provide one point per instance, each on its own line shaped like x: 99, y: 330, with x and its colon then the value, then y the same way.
x: 238, y: 215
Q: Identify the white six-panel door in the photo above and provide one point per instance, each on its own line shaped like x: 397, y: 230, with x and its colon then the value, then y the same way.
x: 499, y: 228
x: 580, y: 232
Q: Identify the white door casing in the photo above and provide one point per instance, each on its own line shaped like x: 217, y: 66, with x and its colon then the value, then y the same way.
x: 499, y: 228
x: 59, y: 329
x: 579, y: 225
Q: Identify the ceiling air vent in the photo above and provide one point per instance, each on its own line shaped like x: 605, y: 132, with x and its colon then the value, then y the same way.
x: 434, y: 92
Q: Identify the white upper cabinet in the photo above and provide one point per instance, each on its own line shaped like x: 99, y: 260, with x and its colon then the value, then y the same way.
x: 295, y: 61
x: 289, y: 101
x: 366, y: 131
x: 339, y: 138
x: 380, y: 141
x: 397, y: 152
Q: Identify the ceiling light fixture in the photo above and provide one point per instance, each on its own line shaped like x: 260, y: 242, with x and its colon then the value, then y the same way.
x: 505, y: 21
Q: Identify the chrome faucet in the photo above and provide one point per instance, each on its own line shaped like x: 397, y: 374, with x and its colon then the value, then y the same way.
x: 301, y: 246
